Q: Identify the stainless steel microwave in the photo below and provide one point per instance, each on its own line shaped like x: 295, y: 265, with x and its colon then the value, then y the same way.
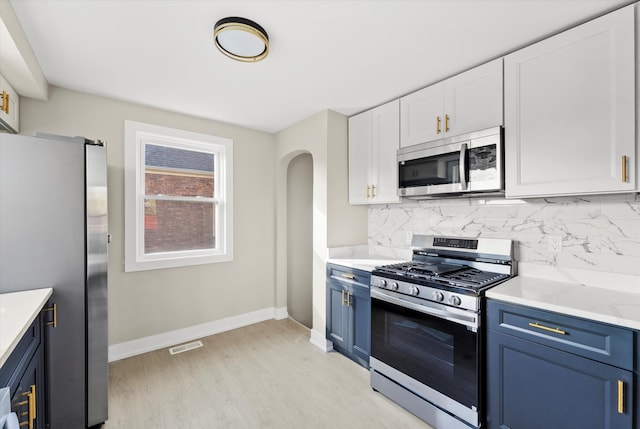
x: 460, y: 165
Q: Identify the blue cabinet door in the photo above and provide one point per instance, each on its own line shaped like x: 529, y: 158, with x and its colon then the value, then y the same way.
x: 531, y: 386
x: 360, y: 316
x: 349, y: 312
x: 28, y: 398
x: 337, y: 314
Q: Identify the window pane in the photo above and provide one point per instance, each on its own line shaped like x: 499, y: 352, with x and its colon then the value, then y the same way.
x: 171, y: 226
x: 178, y: 172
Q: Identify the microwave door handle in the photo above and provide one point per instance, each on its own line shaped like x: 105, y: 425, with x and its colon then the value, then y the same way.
x: 463, y: 166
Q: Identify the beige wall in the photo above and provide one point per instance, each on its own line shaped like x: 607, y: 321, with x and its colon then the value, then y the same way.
x: 347, y: 223
x: 324, y: 136
x: 151, y: 302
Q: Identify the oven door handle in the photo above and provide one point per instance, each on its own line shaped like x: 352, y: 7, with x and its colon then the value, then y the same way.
x: 427, y: 308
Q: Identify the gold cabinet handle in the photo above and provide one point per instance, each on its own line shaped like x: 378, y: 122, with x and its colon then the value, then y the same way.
x: 368, y: 189
x: 624, y: 169
x: 373, y: 191
x: 438, y: 124
x: 446, y: 123
x: 620, y: 397
x: 342, y: 297
x: 5, y: 102
x: 348, y: 276
x: 33, y: 402
x: 54, y: 309
x: 348, y: 299
x: 31, y: 407
x: 546, y: 328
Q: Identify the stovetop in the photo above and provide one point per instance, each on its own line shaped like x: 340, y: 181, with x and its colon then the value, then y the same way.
x: 431, y: 274
x: 451, y: 271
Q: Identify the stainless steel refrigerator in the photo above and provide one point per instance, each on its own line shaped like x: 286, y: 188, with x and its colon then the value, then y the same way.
x: 53, y: 233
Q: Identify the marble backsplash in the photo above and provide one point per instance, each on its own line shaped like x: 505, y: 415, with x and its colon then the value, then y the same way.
x: 600, y: 233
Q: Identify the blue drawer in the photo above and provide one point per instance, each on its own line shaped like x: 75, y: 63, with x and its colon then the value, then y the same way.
x: 594, y: 340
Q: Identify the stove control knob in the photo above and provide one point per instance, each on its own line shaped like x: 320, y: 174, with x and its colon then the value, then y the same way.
x: 438, y: 296
x: 413, y: 290
x: 383, y: 283
x: 455, y: 300
x: 394, y: 286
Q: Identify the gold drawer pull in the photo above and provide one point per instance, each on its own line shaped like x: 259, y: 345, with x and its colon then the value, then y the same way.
x: 620, y: 397
x: 624, y: 169
x: 546, y: 328
x: 348, y: 276
x: 5, y: 102
x: 54, y: 309
x: 33, y: 402
x: 31, y: 407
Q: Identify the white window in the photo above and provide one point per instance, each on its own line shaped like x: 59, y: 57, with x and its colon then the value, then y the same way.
x: 178, y: 197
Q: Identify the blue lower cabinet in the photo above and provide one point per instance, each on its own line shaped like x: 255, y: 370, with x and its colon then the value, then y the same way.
x: 534, y: 386
x: 349, y: 312
x: 23, y: 373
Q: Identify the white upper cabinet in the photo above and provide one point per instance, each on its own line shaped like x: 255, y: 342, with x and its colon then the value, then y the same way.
x: 570, y: 111
x: 467, y: 102
x: 374, y: 138
x: 9, y: 107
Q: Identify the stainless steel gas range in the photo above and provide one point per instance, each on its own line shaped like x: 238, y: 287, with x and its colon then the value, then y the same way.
x: 426, y: 345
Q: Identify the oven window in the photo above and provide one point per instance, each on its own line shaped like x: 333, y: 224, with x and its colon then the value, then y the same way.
x: 436, y: 170
x: 433, y: 351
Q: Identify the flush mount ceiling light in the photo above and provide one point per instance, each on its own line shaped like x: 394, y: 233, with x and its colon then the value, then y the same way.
x: 241, y: 39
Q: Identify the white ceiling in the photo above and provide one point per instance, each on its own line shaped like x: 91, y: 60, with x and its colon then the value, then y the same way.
x: 335, y: 54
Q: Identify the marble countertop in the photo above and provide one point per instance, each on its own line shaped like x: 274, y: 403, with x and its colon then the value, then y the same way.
x: 17, y: 311
x: 616, y: 307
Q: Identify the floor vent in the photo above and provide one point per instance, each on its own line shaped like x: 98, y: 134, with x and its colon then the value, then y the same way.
x: 185, y: 347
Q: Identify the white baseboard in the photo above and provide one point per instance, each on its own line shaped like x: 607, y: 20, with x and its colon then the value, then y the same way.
x: 171, y: 338
x: 280, y: 313
x: 318, y: 340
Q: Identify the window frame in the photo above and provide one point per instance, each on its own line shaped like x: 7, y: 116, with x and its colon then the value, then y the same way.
x: 136, y: 135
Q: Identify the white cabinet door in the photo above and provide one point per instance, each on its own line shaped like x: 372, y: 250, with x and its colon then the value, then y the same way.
x: 470, y: 101
x: 421, y: 115
x: 374, y: 138
x: 473, y: 99
x: 385, y: 144
x: 10, y: 107
x: 360, y: 158
x: 570, y: 111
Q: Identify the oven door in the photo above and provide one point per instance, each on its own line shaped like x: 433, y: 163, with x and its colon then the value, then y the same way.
x: 431, y: 350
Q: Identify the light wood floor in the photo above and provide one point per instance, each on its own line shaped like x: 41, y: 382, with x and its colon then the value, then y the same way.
x: 265, y: 375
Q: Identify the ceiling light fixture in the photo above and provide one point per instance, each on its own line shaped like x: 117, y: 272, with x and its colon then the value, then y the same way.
x: 241, y: 39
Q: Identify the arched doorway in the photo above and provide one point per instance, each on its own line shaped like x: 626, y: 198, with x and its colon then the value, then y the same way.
x: 300, y: 239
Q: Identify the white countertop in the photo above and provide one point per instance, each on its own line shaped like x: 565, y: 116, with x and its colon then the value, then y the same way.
x: 366, y: 258
x: 363, y: 264
x: 616, y: 307
x: 17, y: 311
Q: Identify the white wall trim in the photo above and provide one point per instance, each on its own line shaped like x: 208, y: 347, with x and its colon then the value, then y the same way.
x: 171, y: 338
x: 320, y: 341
